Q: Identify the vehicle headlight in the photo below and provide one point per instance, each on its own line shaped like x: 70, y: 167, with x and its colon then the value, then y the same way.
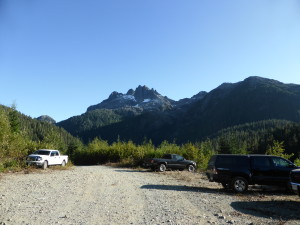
x: 38, y: 158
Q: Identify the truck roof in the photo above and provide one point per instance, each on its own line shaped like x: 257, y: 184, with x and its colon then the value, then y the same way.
x: 48, y: 149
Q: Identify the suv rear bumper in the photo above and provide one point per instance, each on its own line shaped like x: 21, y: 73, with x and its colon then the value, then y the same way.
x: 217, y: 178
x: 296, y: 188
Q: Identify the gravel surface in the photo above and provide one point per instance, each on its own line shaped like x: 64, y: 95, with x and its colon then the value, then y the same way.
x: 108, y: 195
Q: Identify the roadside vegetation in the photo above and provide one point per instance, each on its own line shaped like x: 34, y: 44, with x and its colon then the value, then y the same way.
x: 130, y: 154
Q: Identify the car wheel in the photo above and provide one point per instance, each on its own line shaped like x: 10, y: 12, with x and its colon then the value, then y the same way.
x: 191, y: 168
x: 162, y: 168
x: 63, y: 163
x: 45, y: 165
x: 239, y: 184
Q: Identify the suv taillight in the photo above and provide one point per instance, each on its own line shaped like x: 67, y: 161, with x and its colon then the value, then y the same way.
x: 215, y: 170
x: 296, y: 177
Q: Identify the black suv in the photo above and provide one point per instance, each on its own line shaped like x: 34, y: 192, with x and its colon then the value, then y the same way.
x: 238, y: 171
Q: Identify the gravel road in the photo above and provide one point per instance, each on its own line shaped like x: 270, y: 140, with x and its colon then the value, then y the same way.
x: 108, y: 195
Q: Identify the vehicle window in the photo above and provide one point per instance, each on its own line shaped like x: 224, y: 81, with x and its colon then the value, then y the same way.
x: 279, y: 162
x: 167, y: 156
x: 232, y: 161
x: 224, y: 161
x: 178, y: 157
x: 41, y: 152
x: 56, y: 153
x: 261, y: 162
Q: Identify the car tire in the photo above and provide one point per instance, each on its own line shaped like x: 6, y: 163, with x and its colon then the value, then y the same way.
x: 162, y: 167
x: 239, y: 185
x: 191, y: 168
x: 45, y: 165
x: 63, y: 163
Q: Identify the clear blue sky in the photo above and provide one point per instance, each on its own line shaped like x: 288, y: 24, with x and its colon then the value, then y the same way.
x: 57, y: 57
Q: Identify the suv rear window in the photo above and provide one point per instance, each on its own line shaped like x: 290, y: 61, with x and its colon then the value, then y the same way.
x: 261, y: 162
x: 212, y: 160
x: 226, y: 161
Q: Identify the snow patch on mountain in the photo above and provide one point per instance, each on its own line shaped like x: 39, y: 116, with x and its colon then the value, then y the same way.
x: 146, y: 100
x: 129, y: 97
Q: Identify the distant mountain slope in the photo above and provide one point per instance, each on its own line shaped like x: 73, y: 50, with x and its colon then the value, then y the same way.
x: 253, y: 99
x: 230, y: 104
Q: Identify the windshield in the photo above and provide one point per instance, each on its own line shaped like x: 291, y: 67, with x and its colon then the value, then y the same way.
x: 41, y: 152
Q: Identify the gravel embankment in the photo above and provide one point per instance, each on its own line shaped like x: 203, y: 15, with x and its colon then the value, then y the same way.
x: 106, y: 195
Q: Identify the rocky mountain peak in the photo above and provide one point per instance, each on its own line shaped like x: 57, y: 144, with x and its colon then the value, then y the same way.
x: 130, y: 92
x: 142, y: 97
x: 143, y: 92
x: 114, y: 95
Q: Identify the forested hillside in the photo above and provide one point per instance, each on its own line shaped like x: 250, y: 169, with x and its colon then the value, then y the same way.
x: 258, y: 137
x: 21, y: 135
x: 90, y: 120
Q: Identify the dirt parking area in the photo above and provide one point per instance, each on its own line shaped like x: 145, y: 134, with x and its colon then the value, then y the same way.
x: 108, y: 195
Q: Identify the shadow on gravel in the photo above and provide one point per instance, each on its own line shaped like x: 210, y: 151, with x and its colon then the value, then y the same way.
x: 282, y: 210
x: 132, y: 171
x: 220, y: 191
x: 179, y: 188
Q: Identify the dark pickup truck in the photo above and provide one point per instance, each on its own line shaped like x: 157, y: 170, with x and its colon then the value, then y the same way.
x: 238, y: 171
x: 170, y: 161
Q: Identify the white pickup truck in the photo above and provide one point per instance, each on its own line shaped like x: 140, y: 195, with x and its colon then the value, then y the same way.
x: 46, y: 157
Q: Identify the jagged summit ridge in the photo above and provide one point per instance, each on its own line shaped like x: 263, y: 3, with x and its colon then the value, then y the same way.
x: 142, y: 97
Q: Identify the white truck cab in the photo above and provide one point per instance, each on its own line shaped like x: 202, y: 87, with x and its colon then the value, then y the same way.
x: 46, y: 157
